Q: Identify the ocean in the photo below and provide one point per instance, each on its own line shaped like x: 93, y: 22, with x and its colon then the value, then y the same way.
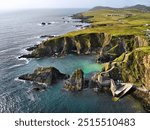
x: 22, y: 29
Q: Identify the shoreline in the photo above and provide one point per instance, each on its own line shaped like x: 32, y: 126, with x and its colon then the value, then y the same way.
x: 36, y: 53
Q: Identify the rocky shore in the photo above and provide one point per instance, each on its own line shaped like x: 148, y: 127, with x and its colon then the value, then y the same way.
x: 126, y: 58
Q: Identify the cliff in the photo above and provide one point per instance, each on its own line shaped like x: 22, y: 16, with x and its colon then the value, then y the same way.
x: 135, y: 67
x: 76, y: 82
x: 106, y: 46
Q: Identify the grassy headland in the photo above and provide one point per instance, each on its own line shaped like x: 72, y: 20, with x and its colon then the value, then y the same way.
x: 116, y: 22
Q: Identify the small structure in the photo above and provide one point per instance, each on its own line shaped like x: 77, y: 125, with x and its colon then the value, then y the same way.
x: 121, y: 89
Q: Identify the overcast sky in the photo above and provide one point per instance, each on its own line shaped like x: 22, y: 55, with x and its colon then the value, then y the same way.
x: 21, y: 4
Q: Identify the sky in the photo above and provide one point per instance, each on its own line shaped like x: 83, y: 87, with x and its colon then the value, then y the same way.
x: 23, y: 4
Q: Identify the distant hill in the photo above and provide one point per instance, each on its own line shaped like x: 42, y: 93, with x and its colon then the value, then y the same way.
x: 101, y: 8
x: 138, y: 7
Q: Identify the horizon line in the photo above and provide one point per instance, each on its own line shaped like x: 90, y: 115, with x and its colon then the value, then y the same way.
x: 68, y: 7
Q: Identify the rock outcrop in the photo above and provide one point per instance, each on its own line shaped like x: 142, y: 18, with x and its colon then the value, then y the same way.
x: 62, y: 45
x: 47, y: 36
x: 135, y: 68
x: 144, y: 97
x: 76, y: 82
x: 100, y: 81
x: 47, y: 75
x: 43, y: 23
x: 106, y: 46
x: 117, y: 45
x: 82, y: 17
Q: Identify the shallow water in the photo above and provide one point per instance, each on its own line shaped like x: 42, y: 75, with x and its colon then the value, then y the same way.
x: 19, y: 30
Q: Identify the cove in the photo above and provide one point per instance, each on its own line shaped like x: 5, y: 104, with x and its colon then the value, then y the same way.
x: 55, y: 99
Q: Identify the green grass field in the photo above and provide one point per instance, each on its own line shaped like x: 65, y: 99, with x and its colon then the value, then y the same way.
x: 117, y: 22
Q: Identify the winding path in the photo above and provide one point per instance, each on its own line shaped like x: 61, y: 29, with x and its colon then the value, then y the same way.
x: 118, y: 91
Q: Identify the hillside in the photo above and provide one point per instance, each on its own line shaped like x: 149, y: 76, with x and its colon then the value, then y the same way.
x: 135, y: 7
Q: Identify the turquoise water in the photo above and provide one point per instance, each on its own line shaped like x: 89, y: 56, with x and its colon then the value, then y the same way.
x: 69, y: 63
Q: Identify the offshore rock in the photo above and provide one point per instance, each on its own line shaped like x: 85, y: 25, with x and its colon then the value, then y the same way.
x: 47, y: 75
x: 76, y: 82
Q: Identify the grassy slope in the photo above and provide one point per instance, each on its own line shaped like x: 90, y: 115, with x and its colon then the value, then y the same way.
x: 117, y: 25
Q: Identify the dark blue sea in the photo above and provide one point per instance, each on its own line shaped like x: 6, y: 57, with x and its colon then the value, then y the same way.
x: 22, y: 29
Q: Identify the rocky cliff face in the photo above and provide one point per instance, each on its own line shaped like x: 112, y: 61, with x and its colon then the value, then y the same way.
x: 108, y: 47
x: 76, y: 82
x: 115, y: 46
x: 144, y: 97
x: 80, y: 44
x: 135, y: 68
x: 146, y: 77
x: 47, y: 75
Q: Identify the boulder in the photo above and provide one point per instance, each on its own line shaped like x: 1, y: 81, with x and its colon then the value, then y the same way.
x: 100, y: 82
x: 43, y: 23
x: 32, y: 48
x: 48, y: 75
x: 78, y: 25
x: 76, y: 82
x: 38, y: 87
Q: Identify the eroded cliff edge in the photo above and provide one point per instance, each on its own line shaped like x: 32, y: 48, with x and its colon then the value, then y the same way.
x: 107, y: 46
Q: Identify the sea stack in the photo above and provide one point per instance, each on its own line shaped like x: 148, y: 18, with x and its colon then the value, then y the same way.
x: 76, y: 81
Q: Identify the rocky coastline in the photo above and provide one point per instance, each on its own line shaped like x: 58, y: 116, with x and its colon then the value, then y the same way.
x: 127, y: 57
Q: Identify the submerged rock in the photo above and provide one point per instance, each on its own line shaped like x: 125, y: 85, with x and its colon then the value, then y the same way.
x: 47, y: 75
x: 78, y: 25
x: 76, y: 82
x: 38, y: 87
